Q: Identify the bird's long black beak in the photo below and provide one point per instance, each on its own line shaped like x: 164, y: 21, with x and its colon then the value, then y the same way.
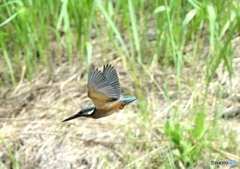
x: 81, y: 113
x: 72, y: 117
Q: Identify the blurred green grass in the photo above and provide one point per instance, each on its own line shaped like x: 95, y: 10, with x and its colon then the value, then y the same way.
x: 146, y: 35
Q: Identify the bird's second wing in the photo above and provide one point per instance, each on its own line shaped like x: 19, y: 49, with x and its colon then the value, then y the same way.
x: 111, y: 75
x: 99, y: 89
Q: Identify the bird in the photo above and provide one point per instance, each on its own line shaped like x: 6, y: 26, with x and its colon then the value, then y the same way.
x: 105, y: 92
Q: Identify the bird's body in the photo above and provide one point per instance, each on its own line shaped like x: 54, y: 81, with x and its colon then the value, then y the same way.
x: 107, y: 110
x: 104, y: 90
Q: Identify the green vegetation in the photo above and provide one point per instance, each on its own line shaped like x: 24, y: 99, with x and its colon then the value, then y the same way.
x: 172, y: 51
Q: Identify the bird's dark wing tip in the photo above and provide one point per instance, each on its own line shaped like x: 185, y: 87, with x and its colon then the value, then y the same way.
x: 113, y: 99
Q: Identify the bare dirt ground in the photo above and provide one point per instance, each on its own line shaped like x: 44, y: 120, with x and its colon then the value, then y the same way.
x: 31, y: 115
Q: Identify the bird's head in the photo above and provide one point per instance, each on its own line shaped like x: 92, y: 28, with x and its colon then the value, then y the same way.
x: 86, y: 112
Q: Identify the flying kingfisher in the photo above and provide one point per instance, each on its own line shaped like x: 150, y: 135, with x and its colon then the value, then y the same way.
x: 104, y: 90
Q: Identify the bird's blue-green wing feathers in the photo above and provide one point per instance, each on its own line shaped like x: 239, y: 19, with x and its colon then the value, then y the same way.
x: 111, y: 75
x: 99, y: 87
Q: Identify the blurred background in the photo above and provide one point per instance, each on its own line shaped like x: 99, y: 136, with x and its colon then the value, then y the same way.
x: 180, y: 58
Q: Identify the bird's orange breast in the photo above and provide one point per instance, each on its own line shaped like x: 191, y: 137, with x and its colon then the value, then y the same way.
x: 107, y: 109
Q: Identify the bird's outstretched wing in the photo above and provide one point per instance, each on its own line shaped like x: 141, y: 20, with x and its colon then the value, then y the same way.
x: 100, y: 91
x: 111, y: 75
